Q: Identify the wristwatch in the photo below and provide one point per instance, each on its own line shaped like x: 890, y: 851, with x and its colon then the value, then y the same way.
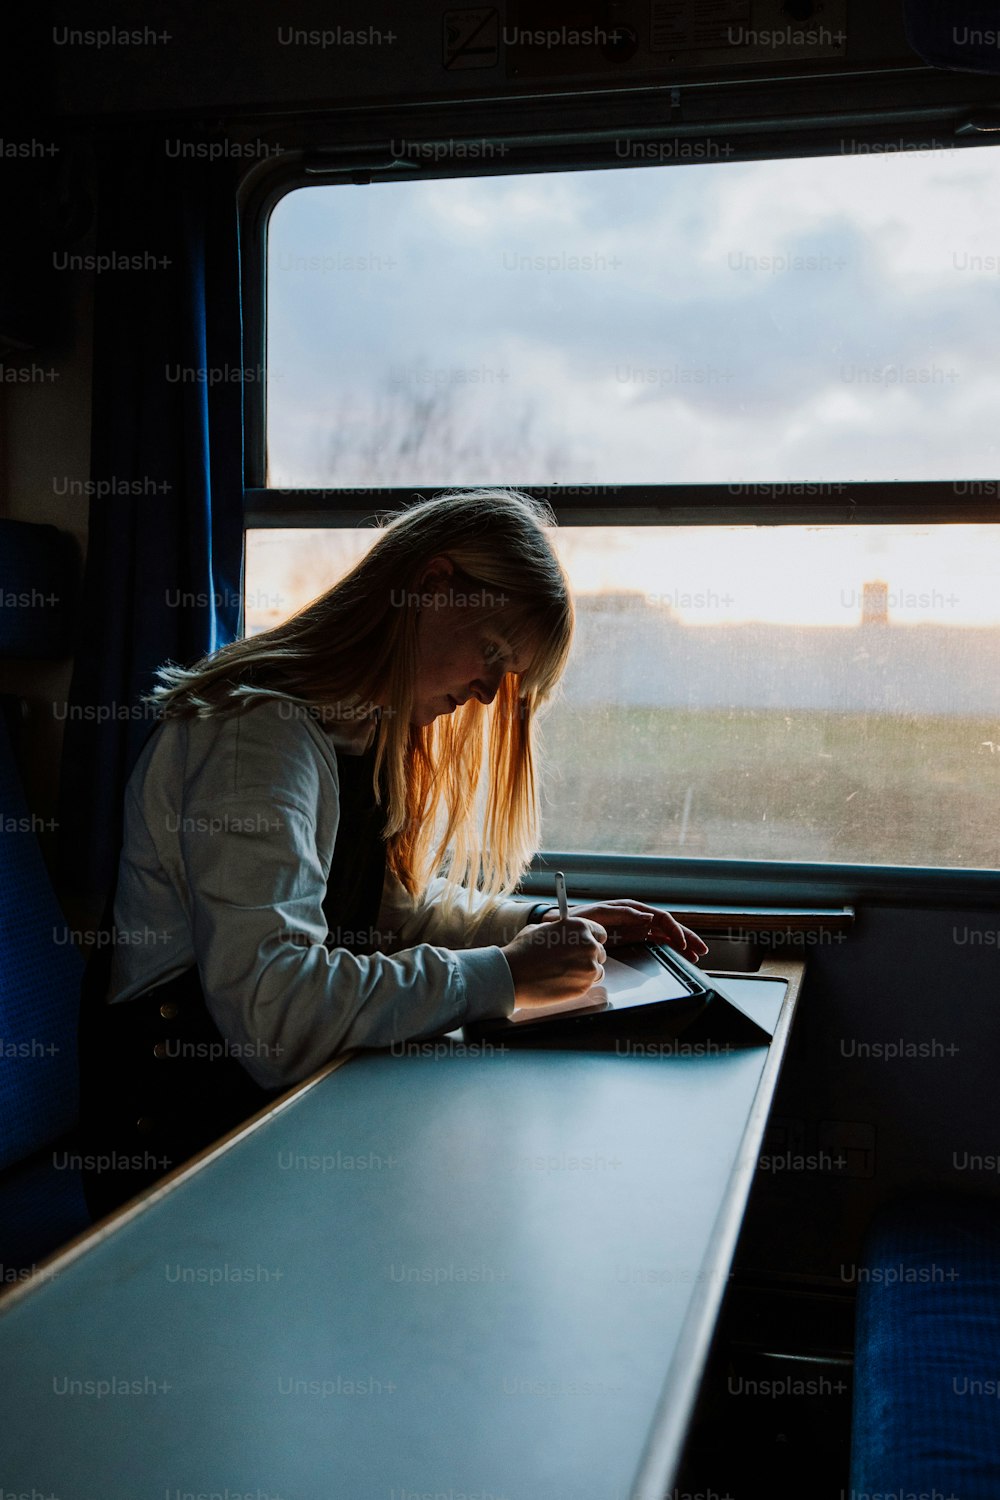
x: 537, y: 912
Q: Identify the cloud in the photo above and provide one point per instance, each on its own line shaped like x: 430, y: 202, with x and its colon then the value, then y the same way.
x: 805, y: 319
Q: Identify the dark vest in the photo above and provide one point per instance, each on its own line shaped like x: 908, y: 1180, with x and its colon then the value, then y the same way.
x: 158, y: 1081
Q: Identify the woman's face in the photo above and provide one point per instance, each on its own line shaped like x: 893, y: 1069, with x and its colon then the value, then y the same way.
x: 462, y: 651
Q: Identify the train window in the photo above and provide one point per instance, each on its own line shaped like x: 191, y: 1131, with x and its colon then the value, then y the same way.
x: 795, y: 693
x: 820, y: 319
x: 768, y: 693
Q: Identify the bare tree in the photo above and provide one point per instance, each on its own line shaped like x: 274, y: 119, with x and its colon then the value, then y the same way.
x: 405, y: 433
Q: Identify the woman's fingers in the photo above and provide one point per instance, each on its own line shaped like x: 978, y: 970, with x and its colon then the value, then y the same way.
x: 658, y: 926
x: 677, y: 936
x: 631, y: 921
x: 623, y: 919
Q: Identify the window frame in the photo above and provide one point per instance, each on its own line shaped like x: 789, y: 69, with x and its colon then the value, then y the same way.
x: 644, y: 877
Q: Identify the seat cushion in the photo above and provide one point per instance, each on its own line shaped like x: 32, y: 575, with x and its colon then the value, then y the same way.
x: 927, y: 1350
x: 42, y: 1207
x: 40, y: 972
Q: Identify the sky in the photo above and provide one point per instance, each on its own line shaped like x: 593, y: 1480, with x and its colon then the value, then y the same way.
x: 819, y: 320
x: 794, y: 575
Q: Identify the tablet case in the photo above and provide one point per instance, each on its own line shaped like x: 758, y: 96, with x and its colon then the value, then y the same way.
x: 707, y: 1020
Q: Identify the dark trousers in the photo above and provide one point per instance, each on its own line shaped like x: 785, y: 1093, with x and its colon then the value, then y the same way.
x: 158, y: 1083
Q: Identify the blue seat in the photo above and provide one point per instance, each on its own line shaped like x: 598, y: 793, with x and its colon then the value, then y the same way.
x: 41, y: 1197
x: 927, y: 1350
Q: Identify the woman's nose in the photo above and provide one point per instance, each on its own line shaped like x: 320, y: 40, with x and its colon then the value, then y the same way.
x: 486, y: 689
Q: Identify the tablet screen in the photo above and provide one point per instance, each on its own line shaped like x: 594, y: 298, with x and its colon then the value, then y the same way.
x: 633, y: 975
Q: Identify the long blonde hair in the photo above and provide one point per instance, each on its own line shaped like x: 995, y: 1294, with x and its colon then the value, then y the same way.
x: 356, y: 639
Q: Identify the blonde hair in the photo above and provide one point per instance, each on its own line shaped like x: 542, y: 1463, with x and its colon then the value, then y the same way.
x: 359, y: 637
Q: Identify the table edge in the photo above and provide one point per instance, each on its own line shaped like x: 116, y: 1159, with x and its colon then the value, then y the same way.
x: 96, y: 1233
x: 656, y: 1474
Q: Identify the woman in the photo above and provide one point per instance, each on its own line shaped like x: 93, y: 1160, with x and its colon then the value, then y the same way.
x: 315, y: 857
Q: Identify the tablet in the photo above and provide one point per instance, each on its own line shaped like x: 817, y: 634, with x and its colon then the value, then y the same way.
x: 639, y: 978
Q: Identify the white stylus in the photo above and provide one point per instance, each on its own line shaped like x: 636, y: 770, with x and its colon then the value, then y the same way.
x: 561, y: 894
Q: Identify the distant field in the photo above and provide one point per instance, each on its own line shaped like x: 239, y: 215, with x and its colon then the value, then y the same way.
x: 764, y: 784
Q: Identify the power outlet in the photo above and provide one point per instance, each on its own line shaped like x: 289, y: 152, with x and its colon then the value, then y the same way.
x: 784, y: 1136
x: 850, y: 1145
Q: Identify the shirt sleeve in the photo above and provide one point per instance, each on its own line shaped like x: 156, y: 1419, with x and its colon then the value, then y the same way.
x: 404, y: 919
x: 257, y: 880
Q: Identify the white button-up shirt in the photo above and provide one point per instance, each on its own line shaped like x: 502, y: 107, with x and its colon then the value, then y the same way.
x: 230, y: 823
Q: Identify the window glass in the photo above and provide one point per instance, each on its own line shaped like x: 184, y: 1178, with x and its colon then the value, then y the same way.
x: 767, y: 693
x: 826, y: 319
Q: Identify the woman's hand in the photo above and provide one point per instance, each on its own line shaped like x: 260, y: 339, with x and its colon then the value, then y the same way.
x: 634, y: 922
x: 556, y: 960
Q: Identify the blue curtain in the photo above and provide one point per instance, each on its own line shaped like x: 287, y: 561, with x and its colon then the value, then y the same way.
x: 163, y: 579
